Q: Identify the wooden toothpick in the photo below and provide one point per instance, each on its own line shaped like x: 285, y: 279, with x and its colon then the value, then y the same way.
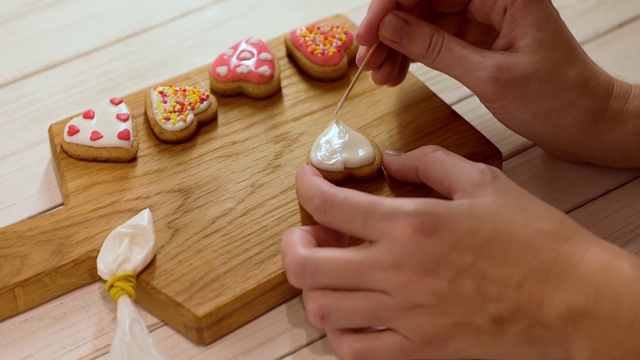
x: 355, y: 78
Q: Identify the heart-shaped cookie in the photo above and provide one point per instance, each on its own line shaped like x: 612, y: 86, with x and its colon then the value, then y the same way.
x: 322, y: 51
x: 95, y: 135
x: 341, y: 153
x: 174, y: 112
x: 248, y: 67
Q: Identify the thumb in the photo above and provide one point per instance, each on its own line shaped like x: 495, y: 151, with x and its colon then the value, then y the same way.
x: 424, y: 42
x: 447, y: 173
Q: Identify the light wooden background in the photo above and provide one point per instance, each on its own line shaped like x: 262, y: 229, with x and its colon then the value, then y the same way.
x: 59, y: 57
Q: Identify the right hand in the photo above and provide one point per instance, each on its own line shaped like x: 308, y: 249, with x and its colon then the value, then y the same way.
x: 521, y: 61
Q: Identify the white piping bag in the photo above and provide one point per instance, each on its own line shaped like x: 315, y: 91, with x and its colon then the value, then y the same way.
x: 127, y: 250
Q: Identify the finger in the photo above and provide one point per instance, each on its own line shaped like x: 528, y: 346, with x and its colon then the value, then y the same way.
x: 329, y: 309
x: 352, y: 212
x: 309, y: 266
x: 388, y: 70
x: 449, y: 174
x: 403, y: 70
x: 371, y: 345
x: 434, y: 47
x: 367, y: 33
x: 450, y: 6
x: 376, y: 59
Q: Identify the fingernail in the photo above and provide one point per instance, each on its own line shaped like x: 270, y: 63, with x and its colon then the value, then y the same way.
x: 392, y: 153
x: 395, y: 29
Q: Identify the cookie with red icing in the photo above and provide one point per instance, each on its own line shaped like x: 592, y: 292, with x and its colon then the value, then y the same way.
x: 175, y: 112
x: 106, y: 132
x: 248, y: 67
x: 322, y: 51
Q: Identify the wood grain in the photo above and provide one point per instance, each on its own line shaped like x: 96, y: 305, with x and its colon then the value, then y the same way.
x: 221, y: 201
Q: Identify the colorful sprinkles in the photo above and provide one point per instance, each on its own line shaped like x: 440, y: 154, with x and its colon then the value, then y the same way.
x: 322, y: 39
x: 178, y: 102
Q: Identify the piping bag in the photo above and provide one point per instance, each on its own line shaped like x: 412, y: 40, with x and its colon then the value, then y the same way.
x: 127, y: 250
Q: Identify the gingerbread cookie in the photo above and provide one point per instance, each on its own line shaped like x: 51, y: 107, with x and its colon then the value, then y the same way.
x: 175, y: 112
x: 106, y: 132
x: 341, y: 153
x: 322, y: 51
x: 248, y: 67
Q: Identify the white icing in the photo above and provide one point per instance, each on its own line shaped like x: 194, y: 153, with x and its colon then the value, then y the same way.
x: 242, y: 69
x: 254, y: 41
x: 129, y: 247
x: 245, y: 55
x: 264, y: 70
x: 340, y: 147
x: 228, y: 52
x: 265, y: 56
x: 168, y: 125
x: 106, y: 123
x: 222, y: 70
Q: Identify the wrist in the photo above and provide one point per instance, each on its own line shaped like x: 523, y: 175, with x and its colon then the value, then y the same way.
x: 621, y: 125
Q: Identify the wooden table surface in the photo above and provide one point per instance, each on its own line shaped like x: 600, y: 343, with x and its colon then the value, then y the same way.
x: 59, y: 57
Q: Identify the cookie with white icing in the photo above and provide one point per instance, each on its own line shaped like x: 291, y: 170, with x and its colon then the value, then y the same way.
x: 341, y: 153
x: 248, y: 67
x: 322, y: 51
x: 174, y: 113
x: 106, y: 132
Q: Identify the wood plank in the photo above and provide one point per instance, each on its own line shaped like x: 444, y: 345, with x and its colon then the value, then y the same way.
x: 565, y: 186
x: 227, y: 174
x: 67, y: 36
x: 614, y: 217
x: 320, y: 350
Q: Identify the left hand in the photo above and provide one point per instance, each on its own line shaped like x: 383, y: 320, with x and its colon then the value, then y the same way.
x: 492, y: 273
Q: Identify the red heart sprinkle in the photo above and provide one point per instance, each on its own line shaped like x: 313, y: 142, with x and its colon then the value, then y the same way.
x: 116, y: 101
x: 89, y: 114
x: 124, y: 135
x: 95, y: 135
x: 72, y: 130
x: 122, y: 117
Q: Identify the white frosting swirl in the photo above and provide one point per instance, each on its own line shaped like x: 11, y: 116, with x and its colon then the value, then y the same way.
x: 340, y: 147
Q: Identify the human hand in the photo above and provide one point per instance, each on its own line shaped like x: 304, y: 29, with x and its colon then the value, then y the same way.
x: 521, y: 61
x: 492, y: 273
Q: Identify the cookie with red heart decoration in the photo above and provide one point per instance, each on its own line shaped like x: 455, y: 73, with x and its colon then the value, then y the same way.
x: 106, y: 132
x: 248, y: 67
x: 322, y: 51
x: 175, y: 112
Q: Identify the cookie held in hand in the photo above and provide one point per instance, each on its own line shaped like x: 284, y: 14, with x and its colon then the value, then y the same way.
x: 106, y: 132
x: 322, y: 51
x: 175, y: 112
x: 341, y: 153
x: 248, y: 67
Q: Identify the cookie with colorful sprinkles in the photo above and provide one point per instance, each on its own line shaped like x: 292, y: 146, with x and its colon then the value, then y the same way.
x: 105, y: 132
x: 175, y: 112
x: 322, y: 51
x: 248, y: 67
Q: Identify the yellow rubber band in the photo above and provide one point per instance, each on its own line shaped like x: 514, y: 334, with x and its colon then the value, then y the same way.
x: 121, y: 284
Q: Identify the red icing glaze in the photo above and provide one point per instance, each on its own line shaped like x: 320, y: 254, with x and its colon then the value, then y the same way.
x: 322, y: 44
x: 254, y: 63
x: 124, y: 135
x: 116, y: 101
x: 72, y: 130
x: 124, y: 117
x: 89, y: 114
x: 95, y: 135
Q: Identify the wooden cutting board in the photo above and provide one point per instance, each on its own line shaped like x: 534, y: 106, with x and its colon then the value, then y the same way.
x: 221, y: 201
